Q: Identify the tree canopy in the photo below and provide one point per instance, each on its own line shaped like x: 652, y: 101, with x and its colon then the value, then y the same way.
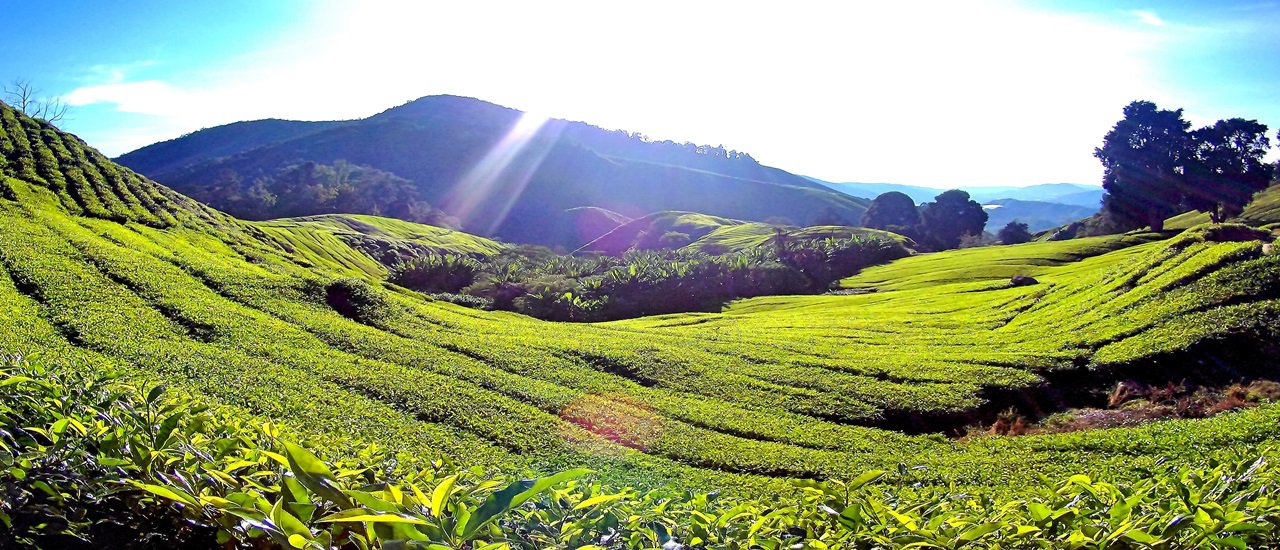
x: 950, y: 217
x: 1227, y: 167
x: 892, y: 211
x: 309, y: 188
x: 1155, y: 167
x: 1014, y: 232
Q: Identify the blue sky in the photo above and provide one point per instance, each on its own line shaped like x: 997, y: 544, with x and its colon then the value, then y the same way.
x: 927, y: 93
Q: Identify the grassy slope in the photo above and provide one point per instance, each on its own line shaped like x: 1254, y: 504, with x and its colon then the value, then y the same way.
x: 715, y: 232
x: 339, y: 242
x: 773, y: 388
x: 645, y: 231
x: 748, y: 235
x: 1264, y: 210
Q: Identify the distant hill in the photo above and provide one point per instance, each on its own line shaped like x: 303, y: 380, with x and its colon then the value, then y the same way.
x: 223, y: 141
x: 712, y: 234
x: 1064, y: 193
x: 581, y: 225
x: 1264, y: 209
x: 1038, y: 216
x: 495, y: 171
x: 367, y: 244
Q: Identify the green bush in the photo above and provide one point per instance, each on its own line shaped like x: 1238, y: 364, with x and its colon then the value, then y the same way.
x: 436, y: 273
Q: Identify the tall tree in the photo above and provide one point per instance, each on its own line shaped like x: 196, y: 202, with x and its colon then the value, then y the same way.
x: 1014, y: 232
x: 951, y: 216
x: 892, y: 211
x: 1143, y: 157
x: 1227, y: 166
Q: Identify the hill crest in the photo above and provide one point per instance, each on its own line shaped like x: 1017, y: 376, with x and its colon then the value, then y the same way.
x: 498, y: 171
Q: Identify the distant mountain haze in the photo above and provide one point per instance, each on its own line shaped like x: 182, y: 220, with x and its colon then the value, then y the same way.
x: 1038, y: 215
x: 1041, y: 206
x: 496, y: 171
x: 1062, y: 193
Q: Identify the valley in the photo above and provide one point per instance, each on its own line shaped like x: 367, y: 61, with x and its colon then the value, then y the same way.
x: 291, y: 322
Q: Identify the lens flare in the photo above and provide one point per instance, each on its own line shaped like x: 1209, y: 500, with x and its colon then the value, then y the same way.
x: 619, y: 419
x: 500, y: 177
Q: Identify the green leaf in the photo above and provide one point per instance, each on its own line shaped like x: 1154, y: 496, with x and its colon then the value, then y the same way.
x: 361, y: 515
x: 1234, y: 542
x: 441, y: 494
x: 1141, y: 537
x: 1039, y: 512
x: 512, y: 496
x: 155, y: 393
x: 979, y: 531
x: 176, y: 495
x: 288, y: 522
x: 865, y: 478
x: 14, y: 380
x: 314, y: 475
x: 599, y: 499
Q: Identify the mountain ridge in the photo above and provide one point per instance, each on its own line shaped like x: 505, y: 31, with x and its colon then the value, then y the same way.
x: 504, y: 173
x: 1075, y: 194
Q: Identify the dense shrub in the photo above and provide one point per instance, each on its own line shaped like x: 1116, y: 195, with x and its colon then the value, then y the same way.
x: 435, y: 273
x: 354, y: 299
x: 537, y: 282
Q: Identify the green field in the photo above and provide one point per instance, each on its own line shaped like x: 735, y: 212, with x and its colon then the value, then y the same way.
x: 133, y: 276
x: 1264, y: 209
x: 345, y: 243
x: 716, y: 235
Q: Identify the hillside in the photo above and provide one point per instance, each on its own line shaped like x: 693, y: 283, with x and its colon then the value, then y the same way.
x: 1264, y: 209
x: 712, y: 234
x: 496, y: 171
x: 108, y: 271
x: 223, y: 141
x: 367, y: 244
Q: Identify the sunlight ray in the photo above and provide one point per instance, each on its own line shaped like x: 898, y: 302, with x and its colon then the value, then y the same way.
x: 498, y: 179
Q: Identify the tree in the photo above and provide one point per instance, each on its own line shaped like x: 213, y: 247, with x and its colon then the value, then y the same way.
x: 951, y: 216
x: 1143, y: 158
x: 892, y: 209
x: 24, y: 96
x: 1227, y: 167
x: 1015, y: 232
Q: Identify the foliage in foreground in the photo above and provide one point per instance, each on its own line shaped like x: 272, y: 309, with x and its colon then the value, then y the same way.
x: 70, y: 441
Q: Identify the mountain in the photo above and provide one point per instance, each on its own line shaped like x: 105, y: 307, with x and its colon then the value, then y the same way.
x: 222, y: 141
x: 496, y: 171
x: 1063, y: 193
x: 1038, y: 216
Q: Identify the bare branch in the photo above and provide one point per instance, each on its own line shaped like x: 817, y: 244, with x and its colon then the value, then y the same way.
x: 24, y: 96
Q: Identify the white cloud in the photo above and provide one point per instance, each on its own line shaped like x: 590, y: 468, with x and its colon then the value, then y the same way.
x: 148, y: 97
x: 935, y: 93
x: 1148, y: 17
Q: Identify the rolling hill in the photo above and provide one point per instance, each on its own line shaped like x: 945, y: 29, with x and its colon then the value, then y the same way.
x: 499, y: 172
x: 711, y: 234
x: 103, y: 270
x: 1264, y: 209
x: 367, y: 244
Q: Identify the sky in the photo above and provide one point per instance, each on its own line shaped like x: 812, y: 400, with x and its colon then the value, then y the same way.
x: 939, y: 94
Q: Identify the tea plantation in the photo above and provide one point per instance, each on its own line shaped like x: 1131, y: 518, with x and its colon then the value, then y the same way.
x: 288, y: 322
